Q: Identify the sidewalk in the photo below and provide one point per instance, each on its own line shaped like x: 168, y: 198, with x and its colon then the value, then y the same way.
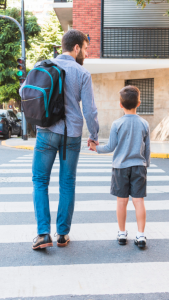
x: 158, y: 149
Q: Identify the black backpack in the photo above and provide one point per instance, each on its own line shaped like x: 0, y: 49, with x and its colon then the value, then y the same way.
x: 42, y: 96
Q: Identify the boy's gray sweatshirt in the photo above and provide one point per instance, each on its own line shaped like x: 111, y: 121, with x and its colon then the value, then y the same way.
x: 130, y: 138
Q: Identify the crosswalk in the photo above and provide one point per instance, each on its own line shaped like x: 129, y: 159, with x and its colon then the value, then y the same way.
x: 93, y: 266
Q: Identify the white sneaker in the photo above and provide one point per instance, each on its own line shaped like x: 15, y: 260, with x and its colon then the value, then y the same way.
x: 140, y: 242
x: 122, y: 238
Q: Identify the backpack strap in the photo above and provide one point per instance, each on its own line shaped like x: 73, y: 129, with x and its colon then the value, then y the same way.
x: 46, y: 62
x: 64, y: 118
x: 65, y: 140
x: 49, y: 63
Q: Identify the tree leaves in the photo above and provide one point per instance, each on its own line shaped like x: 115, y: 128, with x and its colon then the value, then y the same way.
x: 143, y: 3
x: 42, y: 46
x: 10, y: 50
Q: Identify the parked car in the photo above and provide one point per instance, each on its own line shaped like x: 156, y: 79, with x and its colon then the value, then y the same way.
x: 9, y: 124
x: 19, y: 115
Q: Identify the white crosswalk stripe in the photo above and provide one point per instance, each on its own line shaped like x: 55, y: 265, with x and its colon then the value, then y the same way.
x: 91, y: 232
x: 56, y: 165
x: 80, y: 179
x: 93, y: 279
x: 89, y: 205
x: 78, y: 170
x: 92, y: 197
x: 79, y: 190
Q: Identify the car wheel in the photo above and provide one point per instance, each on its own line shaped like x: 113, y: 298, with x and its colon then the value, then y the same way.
x: 8, y: 135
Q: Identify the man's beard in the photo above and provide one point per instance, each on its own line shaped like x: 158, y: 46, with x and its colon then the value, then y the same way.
x: 79, y: 58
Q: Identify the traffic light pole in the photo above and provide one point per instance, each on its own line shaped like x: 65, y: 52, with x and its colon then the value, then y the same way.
x: 21, y: 30
x: 23, y: 57
x: 24, y: 124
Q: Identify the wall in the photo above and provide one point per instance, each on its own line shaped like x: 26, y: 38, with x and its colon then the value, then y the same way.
x: 106, y: 91
x: 87, y: 18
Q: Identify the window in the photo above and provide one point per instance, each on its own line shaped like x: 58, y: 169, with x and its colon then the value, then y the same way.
x: 10, y: 114
x: 2, y: 113
x: 132, y: 32
x: 146, y: 87
x: 14, y: 116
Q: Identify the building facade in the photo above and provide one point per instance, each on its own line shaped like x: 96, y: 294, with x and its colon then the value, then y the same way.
x: 128, y: 45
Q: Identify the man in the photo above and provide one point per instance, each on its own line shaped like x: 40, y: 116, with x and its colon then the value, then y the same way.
x: 78, y: 86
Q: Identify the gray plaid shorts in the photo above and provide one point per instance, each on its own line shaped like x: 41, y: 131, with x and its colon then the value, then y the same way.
x: 129, y: 181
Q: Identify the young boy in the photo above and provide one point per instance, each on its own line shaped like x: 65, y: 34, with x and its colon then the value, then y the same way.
x: 130, y: 138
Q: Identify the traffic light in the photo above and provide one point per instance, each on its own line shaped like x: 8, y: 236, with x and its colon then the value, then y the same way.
x: 55, y: 50
x: 21, y: 70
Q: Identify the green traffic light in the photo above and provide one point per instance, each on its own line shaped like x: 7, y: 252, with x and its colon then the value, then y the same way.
x: 19, y: 73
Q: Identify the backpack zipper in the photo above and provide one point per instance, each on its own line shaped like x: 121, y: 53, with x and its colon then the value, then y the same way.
x: 45, y: 71
x: 44, y: 93
x: 51, y: 91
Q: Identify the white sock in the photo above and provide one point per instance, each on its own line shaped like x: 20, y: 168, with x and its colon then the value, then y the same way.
x: 122, y: 232
x: 139, y: 234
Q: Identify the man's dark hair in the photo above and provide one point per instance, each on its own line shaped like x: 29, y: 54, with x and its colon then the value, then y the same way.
x: 129, y: 96
x: 72, y: 38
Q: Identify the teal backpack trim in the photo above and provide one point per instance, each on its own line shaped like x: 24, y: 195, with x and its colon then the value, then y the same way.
x: 60, y: 79
x: 43, y: 90
x: 44, y: 93
x: 51, y: 91
x: 42, y: 70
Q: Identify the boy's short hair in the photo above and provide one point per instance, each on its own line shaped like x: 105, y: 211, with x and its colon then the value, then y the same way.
x: 129, y: 96
x: 72, y: 38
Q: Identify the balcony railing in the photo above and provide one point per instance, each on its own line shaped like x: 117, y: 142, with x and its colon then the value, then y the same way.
x: 63, y: 0
x: 135, y: 42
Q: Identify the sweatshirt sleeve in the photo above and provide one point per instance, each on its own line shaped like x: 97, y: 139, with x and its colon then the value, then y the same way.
x: 112, y: 143
x: 89, y: 107
x: 147, y: 147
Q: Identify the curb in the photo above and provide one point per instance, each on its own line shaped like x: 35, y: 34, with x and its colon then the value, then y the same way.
x: 153, y: 155
x: 3, y: 143
x: 159, y: 155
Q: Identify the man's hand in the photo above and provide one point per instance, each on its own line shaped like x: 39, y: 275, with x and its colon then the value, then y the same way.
x: 93, y: 146
x: 89, y: 141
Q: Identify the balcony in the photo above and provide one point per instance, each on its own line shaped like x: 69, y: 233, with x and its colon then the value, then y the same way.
x: 64, y: 12
x: 109, y: 65
x: 123, y: 42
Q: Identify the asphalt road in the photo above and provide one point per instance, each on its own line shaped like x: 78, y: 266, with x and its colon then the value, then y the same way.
x: 93, y: 266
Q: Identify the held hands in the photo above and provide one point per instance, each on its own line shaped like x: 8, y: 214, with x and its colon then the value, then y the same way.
x: 92, y: 144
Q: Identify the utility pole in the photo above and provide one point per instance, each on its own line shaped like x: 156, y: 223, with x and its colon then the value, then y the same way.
x: 24, y: 123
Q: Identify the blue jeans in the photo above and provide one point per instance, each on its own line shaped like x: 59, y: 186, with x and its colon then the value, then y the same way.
x: 47, y: 145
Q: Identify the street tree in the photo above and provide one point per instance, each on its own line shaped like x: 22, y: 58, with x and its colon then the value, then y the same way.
x: 143, y: 3
x: 10, y: 50
x: 42, y: 46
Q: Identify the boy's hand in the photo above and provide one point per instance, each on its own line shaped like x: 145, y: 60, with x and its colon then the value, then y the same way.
x: 93, y: 146
x: 91, y: 141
